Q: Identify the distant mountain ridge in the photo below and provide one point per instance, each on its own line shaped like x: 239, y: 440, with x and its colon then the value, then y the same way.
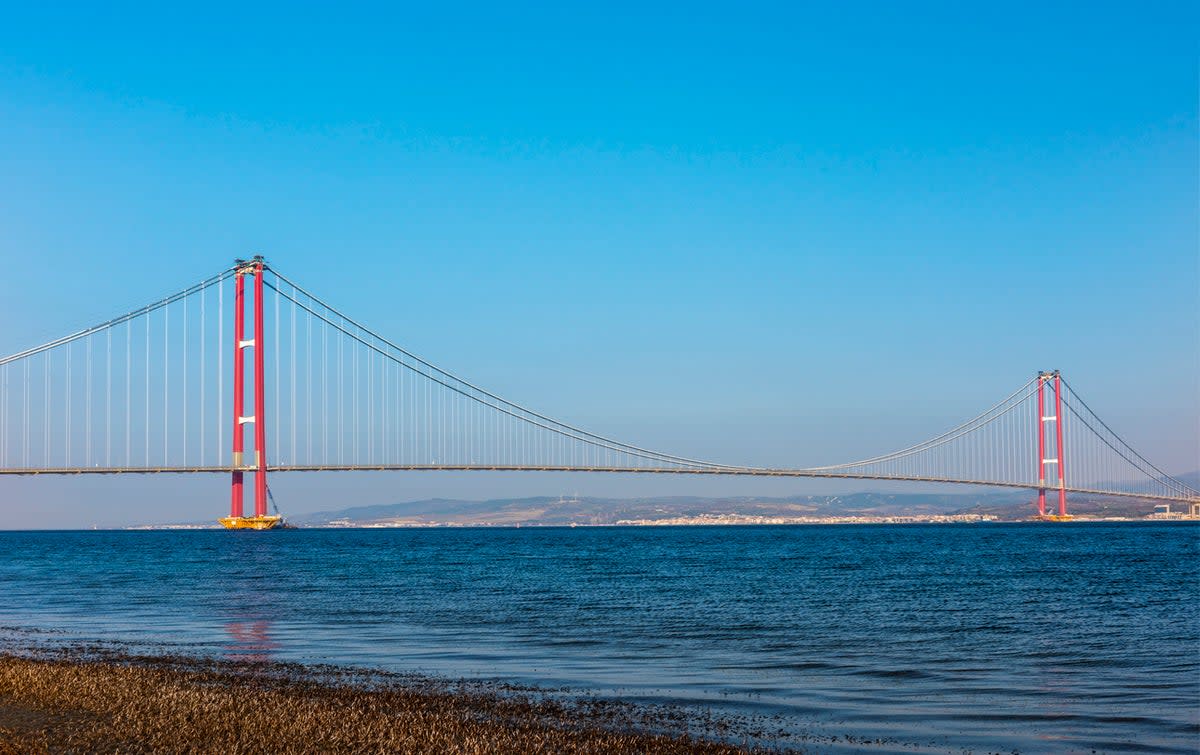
x: 1005, y: 505
x: 549, y: 511
x: 1011, y: 505
x: 1191, y: 479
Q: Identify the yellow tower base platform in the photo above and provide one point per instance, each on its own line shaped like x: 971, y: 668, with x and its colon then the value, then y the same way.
x: 251, y: 522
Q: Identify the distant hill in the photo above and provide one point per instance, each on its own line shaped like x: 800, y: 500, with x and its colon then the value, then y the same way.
x: 1014, y: 505
x: 1191, y: 479
x: 542, y: 510
x: 1011, y: 505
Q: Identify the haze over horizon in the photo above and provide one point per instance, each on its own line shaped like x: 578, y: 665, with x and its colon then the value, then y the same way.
x: 781, y: 236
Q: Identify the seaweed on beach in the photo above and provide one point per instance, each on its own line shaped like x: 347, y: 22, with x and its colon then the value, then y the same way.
x: 102, y: 701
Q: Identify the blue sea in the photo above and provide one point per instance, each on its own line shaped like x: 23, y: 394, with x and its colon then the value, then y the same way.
x: 892, y: 638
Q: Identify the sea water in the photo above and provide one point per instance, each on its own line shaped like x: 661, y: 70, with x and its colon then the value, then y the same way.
x: 879, y: 638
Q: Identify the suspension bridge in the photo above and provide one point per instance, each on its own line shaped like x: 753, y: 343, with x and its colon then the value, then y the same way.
x: 168, y: 388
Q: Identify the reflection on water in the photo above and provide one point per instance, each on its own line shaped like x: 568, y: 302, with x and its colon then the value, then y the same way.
x: 249, y: 641
x: 977, y: 637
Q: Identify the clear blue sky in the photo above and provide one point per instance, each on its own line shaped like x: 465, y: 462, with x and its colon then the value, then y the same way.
x: 767, y: 234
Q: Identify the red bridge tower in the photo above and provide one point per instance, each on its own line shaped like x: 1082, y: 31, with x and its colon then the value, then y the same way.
x: 1057, y: 461
x: 236, y: 519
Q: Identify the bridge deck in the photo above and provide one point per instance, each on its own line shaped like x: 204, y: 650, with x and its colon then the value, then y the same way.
x: 714, y: 471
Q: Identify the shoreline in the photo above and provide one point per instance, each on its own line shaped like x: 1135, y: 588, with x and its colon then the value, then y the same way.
x: 89, y: 698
